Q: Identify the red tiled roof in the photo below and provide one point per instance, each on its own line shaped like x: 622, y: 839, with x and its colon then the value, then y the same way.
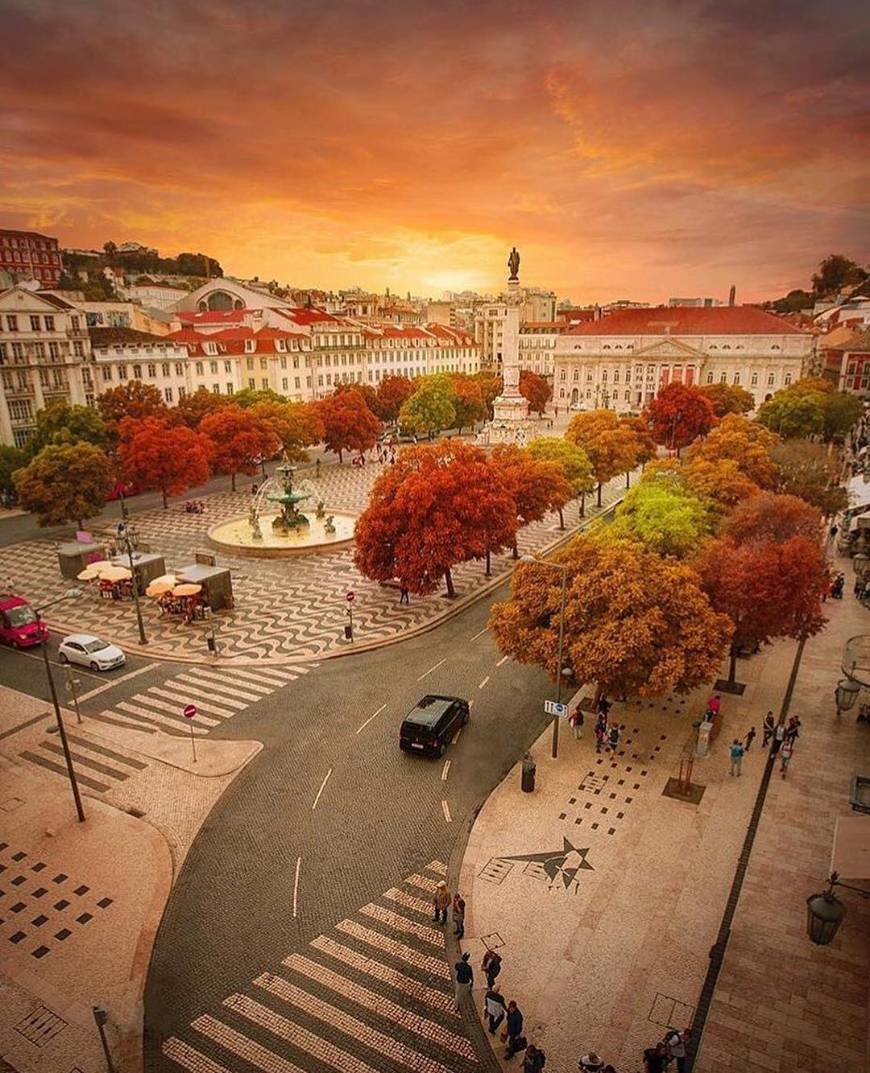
x: 684, y: 320
x: 303, y: 315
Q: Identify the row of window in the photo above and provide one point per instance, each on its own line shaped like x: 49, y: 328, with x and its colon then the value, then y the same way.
x: 36, y: 324
x: 27, y: 257
x: 17, y: 352
x: 25, y: 242
x: 651, y: 372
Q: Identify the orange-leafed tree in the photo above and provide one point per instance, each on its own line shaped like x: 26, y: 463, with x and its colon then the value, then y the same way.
x: 537, y: 487
x: 439, y: 505
x: 296, y: 424
x: 766, y: 589
x: 720, y: 481
x: 368, y: 394
x: 348, y: 423
x: 155, y: 454
x: 191, y: 409
x: 241, y: 440
x: 393, y: 391
x: 65, y: 482
x: 610, y: 445
x: 491, y: 385
x: 745, y: 442
x: 728, y: 398
x: 678, y: 415
x: 635, y: 623
x: 468, y: 401
x: 134, y: 399
x: 771, y: 517
x: 647, y: 448
x: 536, y: 390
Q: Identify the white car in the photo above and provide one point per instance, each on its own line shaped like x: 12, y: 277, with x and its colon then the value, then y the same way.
x: 91, y: 652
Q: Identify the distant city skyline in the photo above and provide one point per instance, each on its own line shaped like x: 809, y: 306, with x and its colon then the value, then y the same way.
x: 643, y: 156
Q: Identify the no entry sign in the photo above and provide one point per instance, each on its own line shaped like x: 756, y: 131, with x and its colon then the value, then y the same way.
x: 189, y: 711
x: 350, y: 597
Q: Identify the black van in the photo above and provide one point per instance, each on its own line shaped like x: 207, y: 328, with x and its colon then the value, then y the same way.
x: 429, y: 726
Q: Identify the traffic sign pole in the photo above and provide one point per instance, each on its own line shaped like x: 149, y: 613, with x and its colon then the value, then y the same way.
x: 350, y: 598
x: 189, y: 711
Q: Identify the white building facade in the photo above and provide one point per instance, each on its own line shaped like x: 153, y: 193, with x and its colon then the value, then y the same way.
x: 622, y: 360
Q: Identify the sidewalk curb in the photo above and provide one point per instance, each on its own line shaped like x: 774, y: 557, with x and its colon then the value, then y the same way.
x: 455, y: 608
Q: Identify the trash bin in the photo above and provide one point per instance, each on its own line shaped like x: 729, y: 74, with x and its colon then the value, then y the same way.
x: 528, y: 776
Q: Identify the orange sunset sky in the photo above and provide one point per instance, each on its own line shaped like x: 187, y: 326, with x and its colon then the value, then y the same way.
x: 629, y: 150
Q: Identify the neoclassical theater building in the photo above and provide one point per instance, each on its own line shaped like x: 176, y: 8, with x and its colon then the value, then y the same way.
x: 623, y: 359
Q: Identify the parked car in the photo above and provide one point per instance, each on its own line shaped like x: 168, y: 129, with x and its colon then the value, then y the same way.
x: 91, y: 652
x: 429, y: 726
x: 19, y: 625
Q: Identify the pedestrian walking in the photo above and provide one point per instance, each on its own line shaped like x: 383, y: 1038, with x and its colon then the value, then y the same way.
x: 604, y: 707
x: 749, y: 739
x: 590, y: 1063
x: 495, y: 1008
x: 655, y: 1059
x: 792, y: 731
x: 440, y: 902
x: 675, y: 1042
x: 458, y: 915
x: 767, y: 729
x: 714, y: 705
x: 463, y: 979
x: 778, y: 738
x: 513, y: 1031
x: 600, y: 736
x: 577, y: 721
x: 491, y: 966
x: 404, y: 595
x: 317, y: 467
x: 785, y: 756
x: 534, y: 1060
x: 613, y: 737
x: 736, y: 756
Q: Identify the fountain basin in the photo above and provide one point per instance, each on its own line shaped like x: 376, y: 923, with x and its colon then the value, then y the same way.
x: 235, y: 536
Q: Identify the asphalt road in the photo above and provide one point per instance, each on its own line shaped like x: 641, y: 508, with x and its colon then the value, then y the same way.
x: 332, y: 790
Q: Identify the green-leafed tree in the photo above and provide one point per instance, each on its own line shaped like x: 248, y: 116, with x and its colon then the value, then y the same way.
x: 250, y: 396
x: 61, y: 423
x: 664, y: 517
x: 431, y: 408
x: 572, y: 459
x: 793, y: 415
x: 840, y: 411
x: 837, y: 273
x: 65, y: 483
x: 807, y: 470
x: 728, y: 398
x: 11, y: 459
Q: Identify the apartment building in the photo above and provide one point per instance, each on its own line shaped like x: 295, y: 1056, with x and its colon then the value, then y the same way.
x: 30, y: 255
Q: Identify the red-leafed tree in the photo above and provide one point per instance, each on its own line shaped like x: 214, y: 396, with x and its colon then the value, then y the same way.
x: 537, y: 486
x: 766, y: 589
x: 393, y: 391
x: 348, y: 423
x: 366, y: 392
x: 491, y: 385
x: 134, y: 399
x: 678, y: 415
x: 157, y: 455
x: 241, y: 440
x: 439, y: 505
x: 772, y: 517
x: 193, y: 408
x: 535, y: 390
x: 296, y: 424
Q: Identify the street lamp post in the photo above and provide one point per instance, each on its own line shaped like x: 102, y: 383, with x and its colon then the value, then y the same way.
x: 825, y: 911
x: 124, y: 535
x: 68, y: 595
x: 563, y: 569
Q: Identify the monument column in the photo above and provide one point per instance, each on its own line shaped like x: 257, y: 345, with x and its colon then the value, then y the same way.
x: 510, y: 423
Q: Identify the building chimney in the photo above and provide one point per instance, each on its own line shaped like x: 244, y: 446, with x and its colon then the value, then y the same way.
x: 732, y: 294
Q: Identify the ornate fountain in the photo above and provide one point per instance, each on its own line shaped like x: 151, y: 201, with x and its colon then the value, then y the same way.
x: 267, y: 533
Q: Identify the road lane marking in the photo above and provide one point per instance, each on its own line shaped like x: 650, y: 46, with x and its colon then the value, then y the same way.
x: 453, y: 741
x: 482, y: 632
x: 320, y: 791
x: 446, y: 769
x: 362, y: 726
x: 296, y: 885
x: 115, y: 681
x: 431, y: 669
x: 503, y: 659
x: 483, y: 683
x: 445, y: 808
x: 57, y: 663
x: 471, y: 703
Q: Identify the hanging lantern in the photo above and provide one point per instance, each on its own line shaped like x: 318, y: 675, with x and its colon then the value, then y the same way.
x: 846, y: 694
x: 825, y: 913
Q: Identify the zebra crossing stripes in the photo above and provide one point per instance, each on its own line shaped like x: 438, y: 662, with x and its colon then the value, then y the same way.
x: 409, y: 901
x: 357, y: 1001
x: 97, y: 766
x: 210, y: 706
x: 403, y: 924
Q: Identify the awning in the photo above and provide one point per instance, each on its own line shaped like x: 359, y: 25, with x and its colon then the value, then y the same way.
x: 850, y: 855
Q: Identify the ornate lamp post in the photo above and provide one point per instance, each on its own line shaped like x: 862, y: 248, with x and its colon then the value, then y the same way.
x: 825, y: 911
x: 846, y: 694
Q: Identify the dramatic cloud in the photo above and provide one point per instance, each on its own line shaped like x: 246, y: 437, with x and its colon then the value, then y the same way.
x: 629, y: 151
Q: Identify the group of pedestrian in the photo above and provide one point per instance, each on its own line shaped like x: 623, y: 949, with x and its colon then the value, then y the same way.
x: 607, y: 734
x: 780, y: 737
x: 670, y: 1049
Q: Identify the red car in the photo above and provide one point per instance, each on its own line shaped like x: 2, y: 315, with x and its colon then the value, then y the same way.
x: 19, y: 626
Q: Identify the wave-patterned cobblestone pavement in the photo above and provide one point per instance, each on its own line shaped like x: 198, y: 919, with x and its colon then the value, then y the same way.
x: 285, y: 609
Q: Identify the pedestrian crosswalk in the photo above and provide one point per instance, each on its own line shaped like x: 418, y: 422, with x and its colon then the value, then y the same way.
x: 356, y: 1001
x: 218, y: 693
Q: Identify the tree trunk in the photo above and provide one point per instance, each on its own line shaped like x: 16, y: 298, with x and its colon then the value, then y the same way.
x: 340, y: 455
x: 488, y: 571
x: 600, y: 486
x: 233, y: 481
x: 627, y: 479
x: 562, y: 519
x: 165, y: 498
x: 516, y: 551
x: 448, y: 578
x: 732, y: 665
x: 582, y: 504
x: 81, y: 524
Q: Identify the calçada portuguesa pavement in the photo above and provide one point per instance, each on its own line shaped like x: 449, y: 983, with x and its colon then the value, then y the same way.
x: 613, y: 947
